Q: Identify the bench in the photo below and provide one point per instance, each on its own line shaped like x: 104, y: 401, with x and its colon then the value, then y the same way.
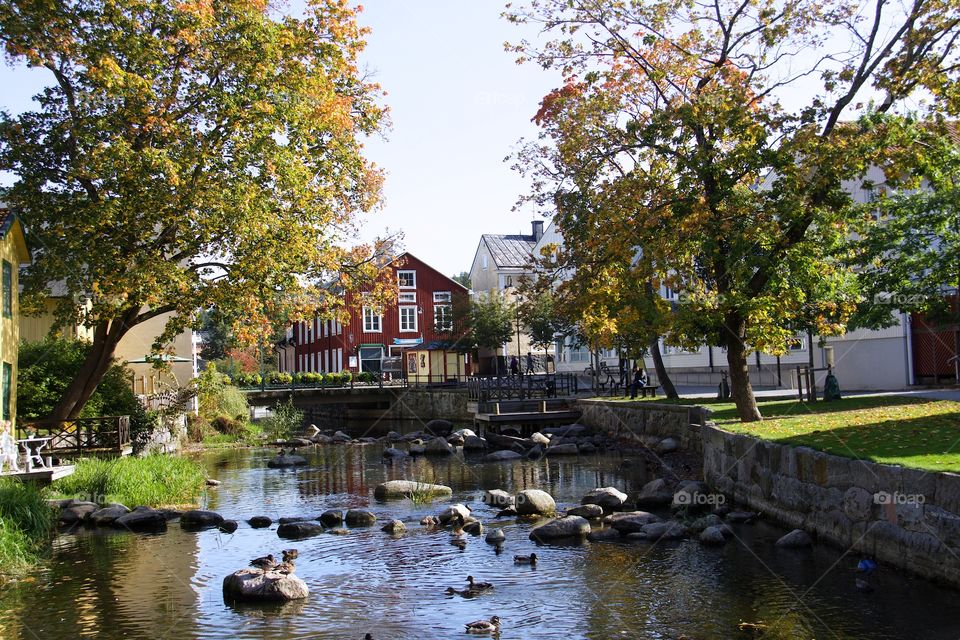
x: 610, y: 383
x: 649, y: 387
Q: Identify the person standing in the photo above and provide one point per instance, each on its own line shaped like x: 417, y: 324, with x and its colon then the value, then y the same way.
x: 634, y: 381
x: 514, y: 366
x: 530, y: 368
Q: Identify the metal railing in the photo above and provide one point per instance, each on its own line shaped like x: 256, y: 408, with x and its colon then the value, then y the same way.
x: 483, y: 389
x: 80, y: 435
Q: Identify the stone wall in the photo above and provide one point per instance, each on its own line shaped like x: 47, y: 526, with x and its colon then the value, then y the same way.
x: 642, y: 420
x: 430, y: 404
x: 904, y: 517
x: 167, y: 437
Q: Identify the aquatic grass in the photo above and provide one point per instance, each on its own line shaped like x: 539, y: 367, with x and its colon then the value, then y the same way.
x: 249, y: 435
x: 26, y: 526
x: 153, y: 481
x: 421, y: 494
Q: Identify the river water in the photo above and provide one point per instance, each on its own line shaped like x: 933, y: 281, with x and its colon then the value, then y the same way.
x: 122, y: 585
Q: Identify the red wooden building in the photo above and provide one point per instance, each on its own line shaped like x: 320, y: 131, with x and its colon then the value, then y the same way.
x: 412, y: 337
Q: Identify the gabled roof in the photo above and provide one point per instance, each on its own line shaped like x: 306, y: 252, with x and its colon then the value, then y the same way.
x: 509, y: 250
x: 10, y: 223
x: 439, y: 273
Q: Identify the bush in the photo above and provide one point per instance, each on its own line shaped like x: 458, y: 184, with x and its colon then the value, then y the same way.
x: 217, y: 397
x: 286, y: 419
x: 229, y: 426
x: 26, y: 526
x: 153, y: 481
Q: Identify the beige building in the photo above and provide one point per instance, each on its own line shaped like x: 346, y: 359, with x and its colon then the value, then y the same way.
x: 13, y: 254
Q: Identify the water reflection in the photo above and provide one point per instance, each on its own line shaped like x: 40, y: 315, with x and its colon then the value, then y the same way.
x: 112, y: 585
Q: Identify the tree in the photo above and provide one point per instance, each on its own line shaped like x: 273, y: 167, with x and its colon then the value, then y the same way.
x: 217, y: 335
x: 491, y: 322
x: 676, y: 111
x: 463, y: 278
x: 190, y: 155
x: 542, y: 317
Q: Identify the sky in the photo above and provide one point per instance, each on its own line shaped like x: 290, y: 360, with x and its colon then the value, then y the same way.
x: 459, y: 103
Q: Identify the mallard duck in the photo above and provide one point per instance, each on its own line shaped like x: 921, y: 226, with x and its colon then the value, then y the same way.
x: 460, y: 543
x: 457, y: 526
x: 430, y: 521
x: 466, y: 593
x: 266, y: 563
x: 530, y: 559
x: 498, y: 548
x: 478, y: 586
x: 290, y: 554
x: 285, y: 567
x: 474, y: 527
x: 484, y: 626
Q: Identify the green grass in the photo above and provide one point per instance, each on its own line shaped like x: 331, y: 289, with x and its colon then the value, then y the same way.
x: 250, y: 435
x: 904, y: 430
x: 26, y: 527
x: 153, y: 481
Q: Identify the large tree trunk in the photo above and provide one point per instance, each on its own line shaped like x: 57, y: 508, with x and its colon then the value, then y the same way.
x: 668, y: 389
x: 106, y: 336
x: 740, y: 387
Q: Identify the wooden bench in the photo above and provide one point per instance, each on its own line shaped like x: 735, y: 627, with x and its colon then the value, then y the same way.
x: 610, y: 383
x: 652, y: 388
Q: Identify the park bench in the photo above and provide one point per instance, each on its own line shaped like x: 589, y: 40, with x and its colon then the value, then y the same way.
x: 652, y: 388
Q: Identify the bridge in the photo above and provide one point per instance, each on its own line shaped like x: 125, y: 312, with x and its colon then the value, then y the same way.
x: 361, y: 393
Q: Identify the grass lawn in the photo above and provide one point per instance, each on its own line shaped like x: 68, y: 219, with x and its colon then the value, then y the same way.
x: 904, y: 430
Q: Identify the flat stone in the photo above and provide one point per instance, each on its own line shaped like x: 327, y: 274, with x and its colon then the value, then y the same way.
x: 664, y: 531
x: 588, y: 511
x: 500, y: 456
x: 282, y: 462
x: 197, y: 519
x: 497, y: 498
x: 253, y: 585
x: 796, y: 539
x: 608, y: 498
x: 631, y: 521
x: 297, y: 530
x: 566, y: 527
x: 142, y: 520
x: 106, y: 516
x: 331, y: 518
x: 360, y: 518
x: 393, y: 489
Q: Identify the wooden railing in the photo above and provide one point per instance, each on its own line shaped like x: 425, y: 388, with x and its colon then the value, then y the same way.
x: 177, y: 401
x: 482, y: 389
x: 108, y: 434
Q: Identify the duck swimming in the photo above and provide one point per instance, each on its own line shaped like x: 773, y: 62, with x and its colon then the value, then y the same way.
x: 265, y: 563
x: 466, y: 593
x: 478, y: 586
x: 457, y: 526
x: 530, y: 559
x: 459, y: 543
x: 484, y: 626
x: 290, y: 554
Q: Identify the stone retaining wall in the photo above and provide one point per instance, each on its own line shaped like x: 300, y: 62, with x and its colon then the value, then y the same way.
x: 904, y: 517
x: 640, y: 420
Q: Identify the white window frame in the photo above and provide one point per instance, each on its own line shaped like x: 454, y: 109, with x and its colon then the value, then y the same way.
x: 483, y: 261
x: 442, y: 296
x: 412, y: 309
x: 401, y: 273
x: 445, y: 323
x: 407, y: 297
x: 372, y: 321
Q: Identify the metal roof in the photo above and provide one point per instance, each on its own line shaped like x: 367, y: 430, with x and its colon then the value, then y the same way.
x: 510, y: 250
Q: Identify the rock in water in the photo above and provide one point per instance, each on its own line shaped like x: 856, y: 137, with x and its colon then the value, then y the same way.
x: 106, y: 516
x: 609, y: 498
x: 438, y: 446
x: 259, y: 522
x: 394, y: 527
x: 497, y: 498
x: 407, y: 488
x: 296, y: 530
x: 197, y: 519
x: 331, y: 518
x: 495, y: 536
x: 655, y: 493
x: 281, y: 462
x: 142, y: 520
x: 586, y: 511
x: 360, y: 518
x: 534, y: 501
x: 500, y: 456
x: 713, y: 535
x: 631, y: 521
x: 796, y: 539
x: 567, y: 527
x: 253, y: 585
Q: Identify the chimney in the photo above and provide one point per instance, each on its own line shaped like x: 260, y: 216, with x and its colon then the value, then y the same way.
x: 537, y: 230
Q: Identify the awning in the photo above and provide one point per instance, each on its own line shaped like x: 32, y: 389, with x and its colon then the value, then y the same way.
x: 152, y: 359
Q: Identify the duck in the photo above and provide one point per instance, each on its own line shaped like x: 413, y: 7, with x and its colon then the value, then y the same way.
x: 530, y: 559
x: 498, y: 548
x: 281, y: 453
x: 457, y: 526
x: 290, y: 554
x: 474, y: 527
x: 460, y: 543
x: 430, y: 521
x: 478, y: 586
x: 286, y: 567
x: 466, y: 593
x: 265, y: 563
x: 484, y: 626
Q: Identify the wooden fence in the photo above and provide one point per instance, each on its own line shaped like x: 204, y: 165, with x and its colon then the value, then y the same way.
x: 106, y: 434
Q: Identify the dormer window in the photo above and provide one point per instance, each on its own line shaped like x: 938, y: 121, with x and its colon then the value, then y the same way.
x: 407, y: 279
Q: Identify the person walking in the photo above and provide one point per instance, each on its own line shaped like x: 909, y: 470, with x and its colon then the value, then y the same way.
x: 530, y: 368
x: 514, y: 366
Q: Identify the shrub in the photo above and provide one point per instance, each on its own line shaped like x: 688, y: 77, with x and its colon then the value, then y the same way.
x: 286, y: 419
x: 217, y: 397
x: 153, y: 481
x: 227, y: 425
x: 26, y: 526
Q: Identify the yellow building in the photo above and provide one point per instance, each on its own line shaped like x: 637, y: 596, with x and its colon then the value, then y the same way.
x: 13, y: 253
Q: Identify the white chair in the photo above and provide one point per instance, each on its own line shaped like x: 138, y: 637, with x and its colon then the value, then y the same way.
x: 9, y: 451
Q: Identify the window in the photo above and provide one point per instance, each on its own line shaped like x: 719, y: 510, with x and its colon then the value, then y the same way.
x: 407, y: 296
x: 441, y: 296
x: 7, y: 384
x: 408, y: 318
x: 372, y: 320
x: 443, y: 317
x: 483, y: 261
x: 795, y: 344
x: 668, y: 293
x: 407, y: 279
x: 7, y: 290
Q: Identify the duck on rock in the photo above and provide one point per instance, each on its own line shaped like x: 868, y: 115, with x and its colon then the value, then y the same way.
x: 265, y: 563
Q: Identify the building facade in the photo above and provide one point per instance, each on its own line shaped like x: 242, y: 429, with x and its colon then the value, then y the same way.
x: 414, y: 337
x: 13, y: 254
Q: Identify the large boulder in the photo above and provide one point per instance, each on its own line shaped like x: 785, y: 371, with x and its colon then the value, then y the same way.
x: 198, y: 519
x: 302, y: 529
x: 609, y: 498
x: 535, y: 502
x: 284, y: 461
x: 405, y: 488
x: 474, y: 443
x: 796, y: 539
x: 607, y: 534
x: 438, y: 447
x: 391, y: 453
x: 501, y: 456
x: 260, y: 522
x: 535, y: 453
x: 360, y: 518
x: 77, y: 512
x: 331, y: 518
x: 264, y: 586
x: 589, y: 511
x: 142, y: 519
x: 394, y: 527
x: 669, y: 530
x: 497, y: 498
x: 439, y: 427
x: 713, y: 535
x: 631, y: 521
x: 655, y: 493
x: 105, y: 516
x: 566, y: 527
x: 452, y: 512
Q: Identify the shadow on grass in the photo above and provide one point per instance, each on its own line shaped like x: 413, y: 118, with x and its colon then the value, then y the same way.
x: 771, y: 409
